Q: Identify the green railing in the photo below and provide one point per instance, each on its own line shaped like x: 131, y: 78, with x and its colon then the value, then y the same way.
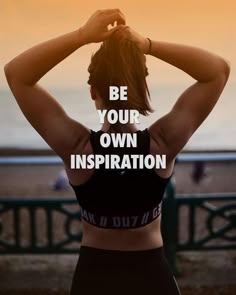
x: 28, y: 226
x: 198, y: 222
x: 43, y: 226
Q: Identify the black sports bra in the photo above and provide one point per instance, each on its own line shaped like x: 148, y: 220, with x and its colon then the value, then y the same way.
x: 119, y: 199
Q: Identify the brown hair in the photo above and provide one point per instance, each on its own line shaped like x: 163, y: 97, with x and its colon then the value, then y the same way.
x: 120, y: 62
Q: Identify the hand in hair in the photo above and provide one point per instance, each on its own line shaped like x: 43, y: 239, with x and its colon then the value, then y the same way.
x: 96, y: 28
x: 128, y: 33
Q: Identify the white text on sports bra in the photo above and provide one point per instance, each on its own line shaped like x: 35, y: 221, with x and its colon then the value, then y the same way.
x: 127, y: 221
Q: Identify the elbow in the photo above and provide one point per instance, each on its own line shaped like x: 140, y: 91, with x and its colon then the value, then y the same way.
x: 8, y: 74
x: 221, y: 74
x: 225, y: 71
x: 6, y: 70
x: 12, y: 76
x: 15, y: 76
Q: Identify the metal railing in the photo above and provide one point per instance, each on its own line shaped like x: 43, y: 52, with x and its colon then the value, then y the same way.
x: 55, y: 160
x: 198, y: 222
x: 28, y: 225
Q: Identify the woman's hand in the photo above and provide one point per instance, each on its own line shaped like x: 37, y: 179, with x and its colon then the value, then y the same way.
x: 96, y: 28
x: 128, y: 33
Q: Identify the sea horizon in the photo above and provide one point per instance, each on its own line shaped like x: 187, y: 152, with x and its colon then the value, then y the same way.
x: 217, y: 132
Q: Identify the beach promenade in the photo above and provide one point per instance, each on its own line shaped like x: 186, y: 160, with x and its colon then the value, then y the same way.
x: 205, y: 272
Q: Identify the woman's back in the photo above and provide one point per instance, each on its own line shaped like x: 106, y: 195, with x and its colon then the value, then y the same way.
x: 121, y: 208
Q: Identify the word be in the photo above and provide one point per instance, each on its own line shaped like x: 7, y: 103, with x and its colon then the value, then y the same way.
x: 115, y: 93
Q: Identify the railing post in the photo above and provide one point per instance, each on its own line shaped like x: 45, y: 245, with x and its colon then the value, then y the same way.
x: 169, y: 224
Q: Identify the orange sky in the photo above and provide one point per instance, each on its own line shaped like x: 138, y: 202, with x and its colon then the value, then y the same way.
x: 209, y: 24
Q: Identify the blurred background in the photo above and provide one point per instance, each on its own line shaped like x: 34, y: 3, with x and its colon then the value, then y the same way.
x: 209, y: 24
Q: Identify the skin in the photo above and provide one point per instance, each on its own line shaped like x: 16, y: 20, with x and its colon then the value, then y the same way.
x: 65, y: 136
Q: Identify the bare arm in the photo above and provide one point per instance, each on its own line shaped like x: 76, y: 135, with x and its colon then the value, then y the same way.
x: 172, y: 131
x: 43, y: 112
x: 41, y: 109
x: 196, y: 102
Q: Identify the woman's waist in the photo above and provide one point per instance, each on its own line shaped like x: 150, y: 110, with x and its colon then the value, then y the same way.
x: 142, y: 238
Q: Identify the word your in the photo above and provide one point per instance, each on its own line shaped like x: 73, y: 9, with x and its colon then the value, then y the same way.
x: 117, y: 162
x: 121, y: 116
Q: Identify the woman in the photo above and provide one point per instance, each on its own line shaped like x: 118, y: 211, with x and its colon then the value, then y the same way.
x: 122, y: 248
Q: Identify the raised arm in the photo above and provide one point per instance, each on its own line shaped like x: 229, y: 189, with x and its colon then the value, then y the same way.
x: 172, y: 131
x: 23, y: 72
x: 194, y: 105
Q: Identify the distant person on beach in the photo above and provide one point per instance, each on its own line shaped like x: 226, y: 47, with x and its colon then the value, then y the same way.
x: 122, y: 249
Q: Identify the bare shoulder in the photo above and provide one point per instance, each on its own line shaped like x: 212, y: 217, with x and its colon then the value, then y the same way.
x: 83, y: 146
x: 79, y: 136
x: 157, y: 147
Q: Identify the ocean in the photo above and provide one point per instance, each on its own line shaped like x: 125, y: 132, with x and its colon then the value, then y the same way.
x: 217, y: 132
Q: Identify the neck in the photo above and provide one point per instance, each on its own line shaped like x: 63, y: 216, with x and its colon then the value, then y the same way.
x: 118, y: 127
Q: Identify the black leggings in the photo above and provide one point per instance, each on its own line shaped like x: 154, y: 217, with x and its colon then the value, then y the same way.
x: 103, y: 272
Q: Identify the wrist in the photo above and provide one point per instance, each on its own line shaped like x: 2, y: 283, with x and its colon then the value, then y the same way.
x: 81, y: 37
x: 148, y: 48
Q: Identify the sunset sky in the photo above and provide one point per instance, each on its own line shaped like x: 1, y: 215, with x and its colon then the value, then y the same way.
x: 209, y: 24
